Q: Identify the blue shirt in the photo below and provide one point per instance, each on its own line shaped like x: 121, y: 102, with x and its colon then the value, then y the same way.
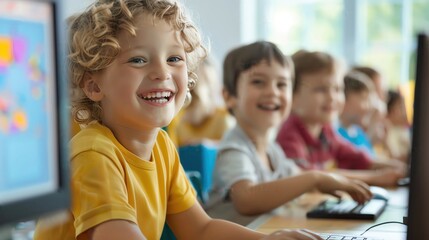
x: 357, y: 136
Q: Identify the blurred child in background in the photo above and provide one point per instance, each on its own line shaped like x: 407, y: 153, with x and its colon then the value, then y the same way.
x: 358, y: 90
x: 252, y: 171
x: 398, y: 137
x: 308, y: 137
x: 375, y: 123
x: 205, y: 119
x: 376, y: 78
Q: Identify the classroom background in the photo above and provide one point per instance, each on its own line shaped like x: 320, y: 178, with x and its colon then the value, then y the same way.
x: 378, y: 33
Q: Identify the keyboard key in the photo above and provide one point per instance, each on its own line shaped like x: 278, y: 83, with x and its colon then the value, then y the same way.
x: 345, y: 206
x: 373, y: 206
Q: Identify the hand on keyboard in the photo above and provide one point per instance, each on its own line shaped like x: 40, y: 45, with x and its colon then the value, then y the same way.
x: 332, y: 183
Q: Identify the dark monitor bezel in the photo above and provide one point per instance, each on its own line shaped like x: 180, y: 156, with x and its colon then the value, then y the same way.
x: 34, y: 207
x: 418, y: 211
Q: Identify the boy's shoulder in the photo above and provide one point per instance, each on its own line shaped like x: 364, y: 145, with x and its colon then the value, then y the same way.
x: 292, y: 128
x: 91, y: 131
x: 234, y: 138
x: 293, y: 121
x: 94, y: 136
x: 233, y: 133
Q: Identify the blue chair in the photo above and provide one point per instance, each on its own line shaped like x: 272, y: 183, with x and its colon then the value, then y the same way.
x: 200, y: 158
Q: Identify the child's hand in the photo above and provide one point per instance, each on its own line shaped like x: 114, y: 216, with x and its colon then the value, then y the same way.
x: 386, y: 177
x: 331, y: 183
x: 286, y: 234
x: 400, y: 166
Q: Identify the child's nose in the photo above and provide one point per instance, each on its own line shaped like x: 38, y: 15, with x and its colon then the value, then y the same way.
x: 272, y: 89
x: 159, y: 71
x: 332, y: 96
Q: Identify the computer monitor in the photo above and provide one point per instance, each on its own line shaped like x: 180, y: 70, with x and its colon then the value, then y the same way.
x: 33, y: 111
x: 418, y: 209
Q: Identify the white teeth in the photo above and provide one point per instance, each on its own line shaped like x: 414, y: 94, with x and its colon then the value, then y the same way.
x: 269, y: 106
x: 157, y: 97
x: 163, y: 100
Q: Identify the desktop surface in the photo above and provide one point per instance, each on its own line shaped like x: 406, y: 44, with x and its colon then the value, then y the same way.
x: 293, y: 216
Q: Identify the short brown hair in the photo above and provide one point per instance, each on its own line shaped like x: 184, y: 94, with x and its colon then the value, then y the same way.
x: 93, y: 43
x: 307, y: 62
x: 357, y: 82
x: 369, y: 71
x: 242, y: 58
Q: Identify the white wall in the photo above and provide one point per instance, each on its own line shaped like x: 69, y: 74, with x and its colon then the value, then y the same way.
x: 221, y: 23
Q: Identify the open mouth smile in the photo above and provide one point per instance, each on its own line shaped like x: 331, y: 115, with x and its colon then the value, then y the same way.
x: 269, y: 107
x: 157, y: 97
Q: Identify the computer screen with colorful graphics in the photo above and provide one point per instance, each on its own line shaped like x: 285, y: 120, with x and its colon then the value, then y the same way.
x: 33, y: 111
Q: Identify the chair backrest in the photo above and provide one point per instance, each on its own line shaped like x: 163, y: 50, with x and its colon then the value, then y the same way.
x: 200, y: 158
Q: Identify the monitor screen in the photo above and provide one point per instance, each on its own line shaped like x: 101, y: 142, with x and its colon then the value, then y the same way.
x: 33, y: 158
x: 418, y: 211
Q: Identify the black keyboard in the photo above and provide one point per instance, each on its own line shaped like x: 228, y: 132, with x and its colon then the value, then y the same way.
x: 345, y: 237
x: 348, y: 209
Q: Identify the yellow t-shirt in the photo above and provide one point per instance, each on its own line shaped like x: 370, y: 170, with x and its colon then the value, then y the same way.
x: 212, y: 128
x: 109, y: 182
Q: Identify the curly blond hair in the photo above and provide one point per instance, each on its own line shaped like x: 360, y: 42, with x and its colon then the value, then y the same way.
x: 93, y: 43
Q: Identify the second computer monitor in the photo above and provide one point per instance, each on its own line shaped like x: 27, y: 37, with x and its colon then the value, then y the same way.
x: 33, y: 111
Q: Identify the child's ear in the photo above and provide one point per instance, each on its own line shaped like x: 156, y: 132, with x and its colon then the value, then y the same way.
x: 230, y: 100
x: 91, y: 88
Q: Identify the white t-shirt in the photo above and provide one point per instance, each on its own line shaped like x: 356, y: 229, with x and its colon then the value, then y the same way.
x: 237, y: 160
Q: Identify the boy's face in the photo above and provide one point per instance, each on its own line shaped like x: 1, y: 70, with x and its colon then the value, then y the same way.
x: 398, y: 113
x: 146, y: 84
x: 264, y: 94
x: 319, y: 97
x: 358, y: 105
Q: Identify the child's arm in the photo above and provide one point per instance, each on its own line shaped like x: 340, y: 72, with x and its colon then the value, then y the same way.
x: 113, y: 230
x: 194, y: 223
x: 382, y: 163
x: 250, y: 198
x: 383, y: 177
x: 372, y: 172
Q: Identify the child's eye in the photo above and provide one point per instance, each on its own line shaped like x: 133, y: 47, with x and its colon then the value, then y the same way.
x: 174, y: 59
x: 282, y: 84
x: 137, y: 60
x: 257, y: 82
x: 322, y: 89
